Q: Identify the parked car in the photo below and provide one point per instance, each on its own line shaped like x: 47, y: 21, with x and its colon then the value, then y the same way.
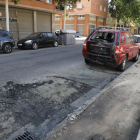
x: 108, y: 46
x: 138, y: 41
x: 6, y: 41
x: 138, y: 38
x: 38, y: 39
x: 77, y: 34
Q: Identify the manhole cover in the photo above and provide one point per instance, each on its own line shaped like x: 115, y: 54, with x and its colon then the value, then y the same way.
x: 25, y: 136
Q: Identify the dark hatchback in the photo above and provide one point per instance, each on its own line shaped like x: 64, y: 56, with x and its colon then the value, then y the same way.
x: 38, y: 39
x: 6, y: 41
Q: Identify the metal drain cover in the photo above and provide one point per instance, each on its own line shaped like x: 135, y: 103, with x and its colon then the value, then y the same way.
x: 26, y: 136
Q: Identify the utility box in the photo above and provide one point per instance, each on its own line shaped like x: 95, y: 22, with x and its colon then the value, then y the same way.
x: 66, y: 37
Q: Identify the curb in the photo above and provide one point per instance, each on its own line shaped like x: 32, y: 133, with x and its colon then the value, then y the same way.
x: 138, y: 136
x: 72, y: 117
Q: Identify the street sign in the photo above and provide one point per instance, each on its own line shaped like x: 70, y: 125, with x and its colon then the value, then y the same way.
x: 3, y: 19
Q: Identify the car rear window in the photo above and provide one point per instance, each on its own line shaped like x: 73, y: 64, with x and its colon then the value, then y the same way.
x: 77, y: 32
x: 103, y: 37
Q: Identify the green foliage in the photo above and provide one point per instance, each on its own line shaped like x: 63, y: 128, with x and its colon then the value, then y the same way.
x: 70, y: 3
x: 125, y: 10
x: 15, y: 1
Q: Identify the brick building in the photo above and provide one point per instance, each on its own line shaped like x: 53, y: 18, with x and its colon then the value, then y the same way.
x: 31, y: 16
x: 86, y: 16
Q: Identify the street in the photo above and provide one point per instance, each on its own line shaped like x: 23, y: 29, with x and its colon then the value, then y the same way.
x: 39, y: 88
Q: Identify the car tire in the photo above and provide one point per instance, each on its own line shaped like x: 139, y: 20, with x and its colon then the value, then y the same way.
x: 35, y: 46
x: 136, y: 57
x: 122, y: 66
x: 87, y: 61
x: 55, y: 43
x: 7, y: 48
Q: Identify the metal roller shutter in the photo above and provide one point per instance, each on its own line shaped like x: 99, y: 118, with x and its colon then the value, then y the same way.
x: 91, y: 27
x: 43, y: 22
x: 69, y: 27
x: 12, y: 25
x: 3, y: 24
x: 57, y: 27
x: 25, y: 23
x: 80, y: 29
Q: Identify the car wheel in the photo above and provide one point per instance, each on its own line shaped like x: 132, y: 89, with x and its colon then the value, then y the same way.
x: 55, y: 43
x: 122, y: 66
x: 7, y: 48
x: 35, y: 46
x: 87, y: 61
x: 136, y: 57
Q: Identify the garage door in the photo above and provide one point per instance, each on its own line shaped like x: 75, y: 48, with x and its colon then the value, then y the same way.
x: 91, y: 27
x: 69, y: 27
x: 12, y: 25
x: 57, y: 27
x: 43, y: 22
x: 25, y: 23
x: 80, y: 29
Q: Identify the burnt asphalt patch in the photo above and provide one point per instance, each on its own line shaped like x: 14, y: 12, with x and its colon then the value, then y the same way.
x: 21, y: 104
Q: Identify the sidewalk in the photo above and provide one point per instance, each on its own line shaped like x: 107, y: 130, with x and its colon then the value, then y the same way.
x: 113, y: 116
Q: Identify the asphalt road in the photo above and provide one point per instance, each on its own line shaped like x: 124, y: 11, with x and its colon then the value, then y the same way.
x: 45, y: 86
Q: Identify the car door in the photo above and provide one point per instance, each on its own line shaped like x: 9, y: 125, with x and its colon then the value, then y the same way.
x: 42, y: 40
x: 50, y: 38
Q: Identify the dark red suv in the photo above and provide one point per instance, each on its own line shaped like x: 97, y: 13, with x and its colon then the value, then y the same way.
x: 109, y: 46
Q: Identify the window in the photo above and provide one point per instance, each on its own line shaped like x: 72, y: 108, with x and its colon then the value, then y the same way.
x: 104, y: 36
x: 128, y: 38
x: 132, y: 38
x: 122, y: 38
x: 104, y: 9
x: 92, y: 17
x: 70, y: 17
x: 95, y: 5
x: 81, y: 17
x: 49, y: 1
x: 79, y: 5
x: 100, y: 7
x: 57, y: 17
x: 43, y: 35
x: 100, y: 19
x: 49, y: 35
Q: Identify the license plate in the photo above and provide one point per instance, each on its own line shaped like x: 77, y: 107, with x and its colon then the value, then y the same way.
x: 19, y: 44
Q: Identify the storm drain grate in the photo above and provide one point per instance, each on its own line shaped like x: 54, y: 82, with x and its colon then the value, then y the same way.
x: 25, y: 136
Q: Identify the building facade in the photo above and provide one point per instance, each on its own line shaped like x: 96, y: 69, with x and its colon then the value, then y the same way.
x: 86, y: 16
x: 29, y: 16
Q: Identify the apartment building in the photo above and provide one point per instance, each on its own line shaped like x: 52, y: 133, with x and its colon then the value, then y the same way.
x: 29, y: 16
x: 86, y: 16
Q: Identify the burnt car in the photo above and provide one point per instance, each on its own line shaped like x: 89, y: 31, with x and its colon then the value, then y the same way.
x: 38, y: 39
x: 109, y: 46
x: 6, y: 41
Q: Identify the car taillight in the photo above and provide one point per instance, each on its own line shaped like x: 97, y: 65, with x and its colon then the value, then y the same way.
x: 118, y: 50
x: 85, y: 45
x: 13, y: 37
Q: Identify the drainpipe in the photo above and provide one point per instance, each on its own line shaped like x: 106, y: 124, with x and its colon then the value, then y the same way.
x: 7, y: 15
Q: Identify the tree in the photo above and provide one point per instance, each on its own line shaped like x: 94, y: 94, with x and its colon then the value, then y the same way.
x: 65, y: 3
x: 125, y: 10
x: 15, y: 1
